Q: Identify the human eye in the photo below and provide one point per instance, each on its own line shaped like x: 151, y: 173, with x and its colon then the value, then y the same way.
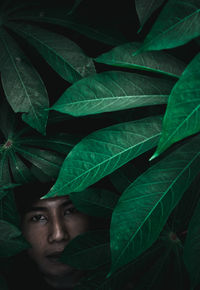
x: 70, y: 210
x: 39, y: 218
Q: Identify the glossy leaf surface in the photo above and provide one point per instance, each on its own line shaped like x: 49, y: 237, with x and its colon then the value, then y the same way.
x: 146, y: 8
x: 112, y: 91
x: 103, y: 151
x: 62, y: 54
x: 182, y: 117
x: 88, y: 251
x: 95, y: 201
x: 22, y: 84
x: 177, y: 24
x: 192, y: 248
x: 124, y: 56
x: 144, y: 207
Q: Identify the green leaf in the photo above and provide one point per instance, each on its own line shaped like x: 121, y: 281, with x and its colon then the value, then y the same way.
x: 62, y: 54
x: 88, y: 251
x: 103, y: 151
x: 120, y: 279
x: 177, y: 24
x: 20, y: 172
x: 146, y: 8
x: 59, y: 16
x: 47, y: 161
x: 27, y: 155
x: 144, y: 207
x: 159, y: 61
x: 11, y: 241
x: 95, y: 201
x: 26, y: 92
x: 183, y: 109
x: 182, y: 214
x: 112, y: 91
x: 61, y: 142
x: 192, y: 248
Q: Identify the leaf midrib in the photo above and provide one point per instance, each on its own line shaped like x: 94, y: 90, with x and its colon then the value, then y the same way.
x: 112, y: 99
x: 107, y: 160
x: 170, y: 28
x: 49, y: 48
x: 154, y: 207
x: 178, y: 127
x: 18, y: 74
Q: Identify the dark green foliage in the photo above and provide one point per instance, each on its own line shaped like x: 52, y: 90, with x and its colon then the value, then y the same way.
x: 108, y: 110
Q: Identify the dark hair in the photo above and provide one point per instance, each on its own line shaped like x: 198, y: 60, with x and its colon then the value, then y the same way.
x: 27, y: 194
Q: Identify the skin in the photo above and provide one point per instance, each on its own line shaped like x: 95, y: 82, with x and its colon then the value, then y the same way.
x: 49, y: 226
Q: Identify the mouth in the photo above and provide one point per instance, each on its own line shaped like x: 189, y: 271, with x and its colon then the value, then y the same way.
x: 55, y: 257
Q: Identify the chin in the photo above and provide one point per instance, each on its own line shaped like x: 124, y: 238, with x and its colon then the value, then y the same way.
x: 57, y: 269
x: 60, y: 275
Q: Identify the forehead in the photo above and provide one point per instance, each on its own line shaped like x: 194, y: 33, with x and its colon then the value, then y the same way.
x: 51, y: 202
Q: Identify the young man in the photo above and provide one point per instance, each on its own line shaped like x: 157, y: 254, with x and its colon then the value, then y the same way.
x: 49, y: 225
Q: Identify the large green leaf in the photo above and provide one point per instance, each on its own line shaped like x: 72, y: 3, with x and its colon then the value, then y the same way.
x: 59, y: 142
x: 182, y: 117
x: 88, y: 251
x: 146, y: 8
x: 159, y: 61
x: 62, y: 54
x: 103, y: 151
x: 22, y: 84
x: 192, y: 248
x: 144, y: 207
x: 95, y: 201
x: 121, y: 279
x: 49, y: 163
x: 60, y: 16
x: 177, y: 24
x: 11, y: 241
x: 20, y: 171
x: 112, y: 91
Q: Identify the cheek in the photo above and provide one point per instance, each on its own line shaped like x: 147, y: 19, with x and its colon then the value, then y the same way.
x: 36, y: 237
x: 79, y: 225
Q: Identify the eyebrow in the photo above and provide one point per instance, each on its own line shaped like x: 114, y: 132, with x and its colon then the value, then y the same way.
x: 43, y: 208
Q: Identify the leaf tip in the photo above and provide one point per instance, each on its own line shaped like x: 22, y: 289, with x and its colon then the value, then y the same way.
x: 109, y: 275
x: 153, y: 156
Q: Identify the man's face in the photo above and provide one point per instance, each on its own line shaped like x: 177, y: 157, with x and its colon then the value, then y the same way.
x: 49, y: 226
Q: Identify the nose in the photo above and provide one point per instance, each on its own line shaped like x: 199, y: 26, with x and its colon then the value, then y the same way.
x: 58, y: 231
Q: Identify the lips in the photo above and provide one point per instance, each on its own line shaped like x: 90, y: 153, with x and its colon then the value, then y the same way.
x: 54, y: 256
